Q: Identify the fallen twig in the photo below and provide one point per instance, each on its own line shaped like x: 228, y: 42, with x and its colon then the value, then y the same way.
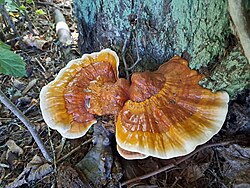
x: 27, y: 18
x: 132, y: 34
x: 137, y: 54
x: 27, y: 123
x: 133, y: 66
x: 29, y: 86
x: 29, y: 109
x: 52, y: 149
x: 59, y: 148
x: 62, y: 29
x: 35, y: 170
x: 74, y: 150
x: 8, y: 19
x: 178, y: 161
x: 124, y: 49
x: 51, y: 4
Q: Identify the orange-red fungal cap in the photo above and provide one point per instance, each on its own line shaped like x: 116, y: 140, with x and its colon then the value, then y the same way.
x: 170, y: 119
x: 65, y: 102
x: 145, y: 84
x: 108, y: 98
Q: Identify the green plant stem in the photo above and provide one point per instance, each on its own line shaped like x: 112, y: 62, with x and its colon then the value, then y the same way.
x: 26, y: 122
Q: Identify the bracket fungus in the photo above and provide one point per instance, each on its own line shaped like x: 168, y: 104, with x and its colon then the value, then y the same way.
x: 169, y: 113
x: 86, y: 87
x: 164, y: 114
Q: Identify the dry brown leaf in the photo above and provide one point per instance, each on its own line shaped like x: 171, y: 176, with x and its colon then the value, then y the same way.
x: 38, y: 168
x: 236, y: 167
x: 69, y: 176
x: 14, y: 148
x: 29, y: 86
x: 35, y: 170
x: 97, y: 163
x: 19, y: 84
x: 35, y: 41
x: 194, y: 172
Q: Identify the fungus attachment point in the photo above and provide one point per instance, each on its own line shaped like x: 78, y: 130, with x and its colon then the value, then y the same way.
x: 85, y: 87
x: 108, y: 98
x: 169, y: 113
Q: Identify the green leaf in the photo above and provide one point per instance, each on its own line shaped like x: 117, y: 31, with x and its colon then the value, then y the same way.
x: 29, y: 1
x: 22, y: 8
x: 2, y: 1
x: 3, y: 45
x: 11, y: 63
x: 40, y: 12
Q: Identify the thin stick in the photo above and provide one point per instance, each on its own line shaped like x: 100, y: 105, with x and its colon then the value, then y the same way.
x: 124, y: 49
x: 132, y: 34
x: 74, y: 150
x: 133, y: 66
x: 40, y: 64
x: 52, y: 149
x: 178, y: 161
x: 62, y: 29
x: 29, y: 109
x: 8, y: 19
x: 137, y: 54
x: 63, y: 140
x: 51, y: 4
x: 27, y: 123
x: 27, y: 18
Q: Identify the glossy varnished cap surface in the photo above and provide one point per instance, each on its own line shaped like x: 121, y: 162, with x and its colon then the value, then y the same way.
x: 67, y: 103
x: 169, y: 119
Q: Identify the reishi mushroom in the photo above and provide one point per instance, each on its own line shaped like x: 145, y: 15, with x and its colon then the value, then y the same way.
x: 169, y: 113
x: 163, y: 114
x: 86, y: 87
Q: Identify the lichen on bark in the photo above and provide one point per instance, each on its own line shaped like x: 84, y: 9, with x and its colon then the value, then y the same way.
x: 202, y: 30
x: 232, y: 74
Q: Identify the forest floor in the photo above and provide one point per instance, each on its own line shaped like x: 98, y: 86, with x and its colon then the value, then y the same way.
x: 222, y: 162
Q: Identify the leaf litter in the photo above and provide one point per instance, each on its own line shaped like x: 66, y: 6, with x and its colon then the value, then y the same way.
x: 212, y: 167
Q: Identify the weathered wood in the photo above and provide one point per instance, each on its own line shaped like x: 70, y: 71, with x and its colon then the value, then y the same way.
x: 198, y: 30
x: 240, y: 13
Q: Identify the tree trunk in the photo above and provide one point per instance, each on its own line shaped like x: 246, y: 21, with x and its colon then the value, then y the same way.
x: 198, y: 30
